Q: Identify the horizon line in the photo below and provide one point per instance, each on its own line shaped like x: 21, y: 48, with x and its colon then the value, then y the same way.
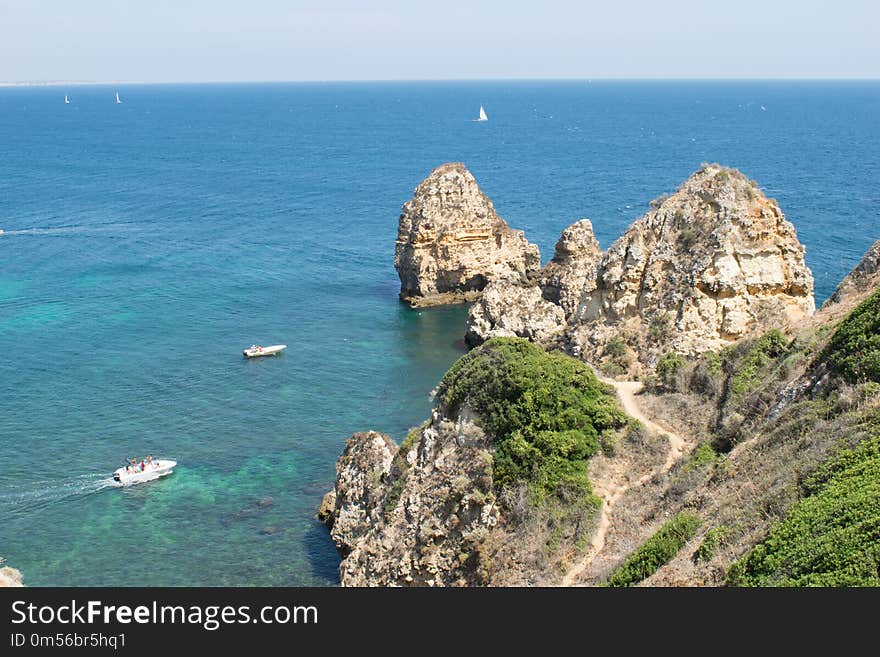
x: 57, y: 83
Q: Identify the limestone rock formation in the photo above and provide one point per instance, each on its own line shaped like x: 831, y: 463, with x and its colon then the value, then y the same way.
x: 451, y: 242
x: 538, y: 309
x: 712, y: 263
x: 864, y: 276
x: 570, y: 276
x: 358, y: 493
x: 414, y: 516
x: 704, y: 267
x: 509, y: 308
x: 9, y: 576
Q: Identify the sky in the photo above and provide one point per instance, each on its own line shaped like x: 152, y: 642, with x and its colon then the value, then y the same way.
x: 263, y: 40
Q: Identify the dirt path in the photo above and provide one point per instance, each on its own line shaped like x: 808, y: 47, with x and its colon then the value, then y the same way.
x: 610, y: 493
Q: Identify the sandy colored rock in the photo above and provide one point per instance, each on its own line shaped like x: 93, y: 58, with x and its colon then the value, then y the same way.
x: 570, y: 277
x: 865, y: 276
x: 435, y: 506
x: 9, y: 577
x: 451, y: 242
x: 715, y: 261
x: 508, y: 308
x: 358, y: 492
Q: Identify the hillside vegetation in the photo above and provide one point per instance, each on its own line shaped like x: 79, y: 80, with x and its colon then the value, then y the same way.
x: 798, y: 501
x: 547, y: 412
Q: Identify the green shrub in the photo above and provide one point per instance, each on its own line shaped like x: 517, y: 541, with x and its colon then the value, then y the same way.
x: 616, y: 348
x: 704, y: 454
x: 668, y: 368
x: 657, y: 550
x: 854, y: 349
x: 545, y: 411
x: 831, y: 537
x: 660, y: 328
x: 749, y: 369
x: 712, y: 360
x: 713, y: 539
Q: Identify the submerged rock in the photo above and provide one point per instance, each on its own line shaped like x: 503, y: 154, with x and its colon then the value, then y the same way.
x: 9, y: 577
x: 451, y: 242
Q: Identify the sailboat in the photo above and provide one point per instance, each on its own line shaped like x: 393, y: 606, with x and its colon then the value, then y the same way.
x: 118, y: 102
x: 66, y: 100
x: 483, y: 116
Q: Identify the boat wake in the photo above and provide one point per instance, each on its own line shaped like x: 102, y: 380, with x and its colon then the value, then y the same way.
x: 86, y: 229
x: 47, y: 492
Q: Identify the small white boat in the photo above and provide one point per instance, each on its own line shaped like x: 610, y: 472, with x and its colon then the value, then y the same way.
x: 255, y: 350
x: 118, y: 102
x: 483, y: 116
x: 135, y: 474
x: 66, y: 100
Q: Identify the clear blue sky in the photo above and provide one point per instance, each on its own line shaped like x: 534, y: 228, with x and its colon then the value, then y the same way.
x: 206, y: 40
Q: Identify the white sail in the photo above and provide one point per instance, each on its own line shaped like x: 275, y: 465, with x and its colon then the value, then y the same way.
x: 66, y: 100
x: 483, y: 116
x: 117, y: 98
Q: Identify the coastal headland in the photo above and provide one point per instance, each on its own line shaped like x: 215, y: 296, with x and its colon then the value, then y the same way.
x: 669, y: 411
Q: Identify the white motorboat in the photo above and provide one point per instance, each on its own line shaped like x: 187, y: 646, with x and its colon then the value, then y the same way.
x: 137, y: 474
x: 255, y: 350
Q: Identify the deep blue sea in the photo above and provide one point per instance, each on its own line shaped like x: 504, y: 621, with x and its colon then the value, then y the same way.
x: 147, y: 243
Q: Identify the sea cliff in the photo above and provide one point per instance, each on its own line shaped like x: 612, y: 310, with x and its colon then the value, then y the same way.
x: 744, y: 455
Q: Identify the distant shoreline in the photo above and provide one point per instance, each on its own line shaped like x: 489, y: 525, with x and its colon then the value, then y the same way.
x: 69, y: 83
x: 82, y: 83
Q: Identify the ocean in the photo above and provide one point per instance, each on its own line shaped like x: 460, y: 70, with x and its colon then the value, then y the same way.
x: 147, y: 243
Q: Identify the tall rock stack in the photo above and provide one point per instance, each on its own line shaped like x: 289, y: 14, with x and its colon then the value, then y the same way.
x: 451, y: 243
x: 711, y: 263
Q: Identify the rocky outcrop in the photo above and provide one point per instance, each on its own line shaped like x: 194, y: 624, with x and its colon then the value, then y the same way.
x: 704, y: 267
x: 359, y: 492
x: 538, y: 309
x: 715, y: 261
x: 511, y: 308
x: 451, y: 242
x: 9, y: 576
x: 417, y: 515
x: 865, y: 276
x: 570, y: 277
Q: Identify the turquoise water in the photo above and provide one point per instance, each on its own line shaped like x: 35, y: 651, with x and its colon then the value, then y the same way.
x: 147, y: 243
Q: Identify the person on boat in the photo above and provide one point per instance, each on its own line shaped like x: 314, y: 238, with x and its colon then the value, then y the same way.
x: 150, y: 460
x: 143, y: 465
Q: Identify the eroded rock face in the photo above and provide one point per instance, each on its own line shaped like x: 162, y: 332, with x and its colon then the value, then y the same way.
x: 415, y: 517
x: 711, y: 263
x: 537, y: 309
x: 510, y: 308
x: 451, y: 242
x: 358, y: 493
x: 570, y: 277
x: 863, y: 277
x: 706, y: 266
